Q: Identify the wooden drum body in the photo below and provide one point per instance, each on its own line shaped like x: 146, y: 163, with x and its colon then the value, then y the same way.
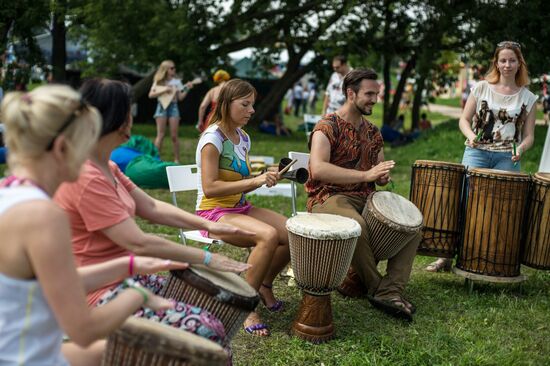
x: 142, y: 342
x: 495, y: 208
x: 321, y: 249
x: 436, y: 189
x: 392, y: 220
x: 536, y: 253
x: 226, y: 295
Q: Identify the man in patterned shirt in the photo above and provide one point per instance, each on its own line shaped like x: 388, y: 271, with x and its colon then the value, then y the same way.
x: 347, y: 160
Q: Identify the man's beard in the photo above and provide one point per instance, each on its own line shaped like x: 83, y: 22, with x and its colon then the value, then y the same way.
x: 363, y: 111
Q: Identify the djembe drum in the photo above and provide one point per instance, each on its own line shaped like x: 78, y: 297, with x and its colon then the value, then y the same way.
x: 142, y: 342
x: 226, y: 295
x: 536, y: 252
x: 436, y: 189
x: 495, y: 208
x: 392, y: 221
x: 321, y: 248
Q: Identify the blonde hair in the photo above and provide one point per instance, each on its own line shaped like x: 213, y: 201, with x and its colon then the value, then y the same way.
x: 232, y: 90
x: 522, y: 75
x: 34, y: 120
x: 162, y: 72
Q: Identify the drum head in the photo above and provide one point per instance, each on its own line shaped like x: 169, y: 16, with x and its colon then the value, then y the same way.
x: 323, y: 226
x: 498, y: 173
x: 226, y: 287
x: 396, y: 209
x: 163, y: 339
x: 441, y: 164
x: 544, y: 177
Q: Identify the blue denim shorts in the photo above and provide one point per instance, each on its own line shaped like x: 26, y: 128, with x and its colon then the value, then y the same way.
x: 171, y: 111
x: 501, y: 160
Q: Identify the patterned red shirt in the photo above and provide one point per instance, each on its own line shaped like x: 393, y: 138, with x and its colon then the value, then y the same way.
x: 350, y: 148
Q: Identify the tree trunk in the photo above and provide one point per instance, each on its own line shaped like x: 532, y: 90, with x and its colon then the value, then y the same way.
x: 59, y: 46
x: 417, y: 102
x: 387, y: 89
x: 394, y: 109
x: 275, y: 96
x: 4, y: 32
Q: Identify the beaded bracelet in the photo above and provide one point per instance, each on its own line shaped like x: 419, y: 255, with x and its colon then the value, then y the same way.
x: 207, y: 258
x: 135, y: 286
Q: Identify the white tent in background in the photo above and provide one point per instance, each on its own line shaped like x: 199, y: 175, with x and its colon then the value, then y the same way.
x: 545, y: 159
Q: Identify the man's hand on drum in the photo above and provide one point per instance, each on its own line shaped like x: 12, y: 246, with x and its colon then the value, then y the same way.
x: 150, y: 265
x: 268, y: 178
x: 379, y: 171
x: 223, y: 263
x: 383, y: 180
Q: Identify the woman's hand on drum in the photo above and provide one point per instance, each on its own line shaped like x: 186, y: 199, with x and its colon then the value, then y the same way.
x: 268, y: 178
x: 225, y: 229
x: 378, y: 171
x: 150, y: 265
x: 223, y: 263
x: 157, y: 303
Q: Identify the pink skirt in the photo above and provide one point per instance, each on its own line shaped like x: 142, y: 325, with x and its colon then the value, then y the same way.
x: 215, y: 213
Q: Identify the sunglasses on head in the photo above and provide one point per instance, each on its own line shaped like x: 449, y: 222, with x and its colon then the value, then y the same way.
x: 509, y: 44
x: 81, y: 106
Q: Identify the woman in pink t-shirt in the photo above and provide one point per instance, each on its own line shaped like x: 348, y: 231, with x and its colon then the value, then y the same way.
x: 103, y: 202
x: 49, y: 132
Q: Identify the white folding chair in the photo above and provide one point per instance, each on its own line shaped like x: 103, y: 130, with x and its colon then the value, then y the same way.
x: 310, y: 118
x: 303, y: 162
x: 184, y: 178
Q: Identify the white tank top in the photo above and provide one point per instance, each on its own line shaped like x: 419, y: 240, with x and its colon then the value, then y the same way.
x: 29, y: 333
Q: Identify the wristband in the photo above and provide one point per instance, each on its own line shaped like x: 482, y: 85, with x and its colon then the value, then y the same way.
x: 207, y: 258
x: 135, y: 286
x: 131, y: 265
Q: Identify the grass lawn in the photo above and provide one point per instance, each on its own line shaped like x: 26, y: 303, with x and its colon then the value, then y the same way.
x: 496, y: 325
x: 451, y: 102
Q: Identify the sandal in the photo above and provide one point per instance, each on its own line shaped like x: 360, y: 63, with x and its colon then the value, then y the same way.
x: 409, y: 305
x: 275, y: 308
x: 256, y: 327
x: 394, y: 307
x: 440, y: 265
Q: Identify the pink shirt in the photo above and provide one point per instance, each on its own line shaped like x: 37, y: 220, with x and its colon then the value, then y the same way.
x: 94, y: 203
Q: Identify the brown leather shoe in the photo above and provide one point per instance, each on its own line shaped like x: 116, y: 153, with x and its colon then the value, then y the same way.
x: 352, y: 286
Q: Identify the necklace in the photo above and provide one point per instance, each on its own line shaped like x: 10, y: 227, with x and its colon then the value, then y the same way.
x: 13, y: 181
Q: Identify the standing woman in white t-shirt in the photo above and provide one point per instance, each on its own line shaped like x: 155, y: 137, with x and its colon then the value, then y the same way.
x: 498, y: 119
x: 165, y: 82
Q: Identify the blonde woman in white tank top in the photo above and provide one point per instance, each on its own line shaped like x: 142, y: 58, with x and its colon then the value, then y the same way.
x: 49, y: 133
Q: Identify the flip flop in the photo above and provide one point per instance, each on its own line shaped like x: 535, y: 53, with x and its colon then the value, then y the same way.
x: 255, y: 327
x: 391, y: 308
x: 275, y: 308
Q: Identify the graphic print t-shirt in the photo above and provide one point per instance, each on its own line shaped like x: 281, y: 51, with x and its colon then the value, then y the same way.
x: 499, y: 118
x: 234, y: 165
x: 336, y: 97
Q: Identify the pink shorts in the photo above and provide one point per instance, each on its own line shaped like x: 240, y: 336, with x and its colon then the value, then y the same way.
x: 215, y: 213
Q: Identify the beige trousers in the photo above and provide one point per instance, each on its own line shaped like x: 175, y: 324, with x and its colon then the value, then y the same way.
x: 399, y: 266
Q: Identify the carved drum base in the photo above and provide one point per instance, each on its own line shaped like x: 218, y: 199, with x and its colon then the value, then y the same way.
x: 314, y: 320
